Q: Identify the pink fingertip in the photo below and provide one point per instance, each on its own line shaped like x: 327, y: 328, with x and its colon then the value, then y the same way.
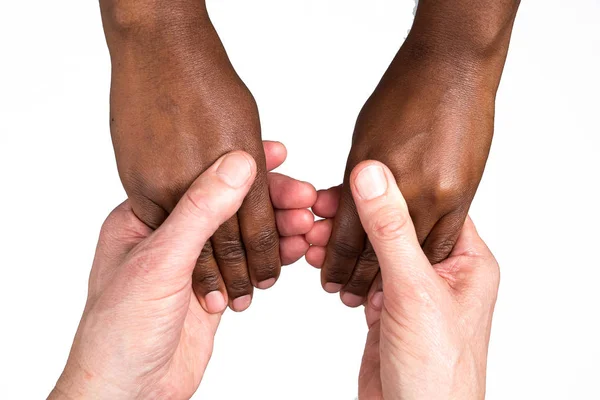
x: 332, y: 287
x: 351, y: 300
x: 241, y: 303
x: 266, y: 284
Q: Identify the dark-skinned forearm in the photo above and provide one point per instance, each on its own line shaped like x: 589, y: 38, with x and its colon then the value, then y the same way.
x: 145, y: 35
x: 153, y: 27
x: 475, y: 34
x: 143, y: 16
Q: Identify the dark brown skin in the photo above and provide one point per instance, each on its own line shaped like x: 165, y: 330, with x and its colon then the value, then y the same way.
x: 430, y: 120
x: 177, y: 105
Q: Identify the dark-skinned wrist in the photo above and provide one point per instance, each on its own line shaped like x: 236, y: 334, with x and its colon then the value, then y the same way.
x: 145, y: 19
x: 426, y: 59
x: 148, y: 33
x: 469, y: 36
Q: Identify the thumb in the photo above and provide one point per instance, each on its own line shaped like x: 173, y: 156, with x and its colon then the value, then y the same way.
x: 384, y: 215
x: 212, y: 199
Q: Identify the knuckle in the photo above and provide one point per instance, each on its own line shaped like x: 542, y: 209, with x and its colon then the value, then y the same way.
x: 368, y: 257
x: 365, y: 272
x: 153, y: 184
x: 231, y: 252
x: 440, y: 250
x: 445, y: 191
x: 198, y: 206
x: 340, y: 273
x: 360, y: 283
x: 238, y: 286
x: 341, y: 249
x: 258, y: 196
x: 265, y: 241
x: 265, y: 271
x: 208, y: 280
x: 206, y: 255
x: 390, y: 224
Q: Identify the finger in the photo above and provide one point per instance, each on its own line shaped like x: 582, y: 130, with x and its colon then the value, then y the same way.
x: 441, y: 239
x: 231, y: 259
x: 320, y: 233
x: 384, y: 214
x: 365, y: 271
x: 275, y: 154
x: 374, y: 304
x: 207, y: 282
x: 260, y: 235
x: 423, y: 219
x: 289, y: 193
x: 292, y: 248
x: 294, y: 222
x: 345, y: 245
x: 315, y: 256
x: 327, y: 202
x: 147, y: 211
x: 211, y: 200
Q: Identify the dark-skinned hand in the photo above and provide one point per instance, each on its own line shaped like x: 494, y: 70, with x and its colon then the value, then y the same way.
x: 431, y: 121
x: 177, y: 105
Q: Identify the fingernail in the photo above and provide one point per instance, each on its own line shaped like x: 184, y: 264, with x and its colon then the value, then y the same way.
x: 351, y: 300
x: 266, y: 284
x: 215, y: 302
x: 332, y: 287
x: 241, y: 303
x: 371, y: 182
x: 377, y: 300
x: 235, y: 170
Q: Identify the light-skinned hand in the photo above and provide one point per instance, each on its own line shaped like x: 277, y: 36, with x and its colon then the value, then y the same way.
x: 144, y: 333
x: 429, y: 325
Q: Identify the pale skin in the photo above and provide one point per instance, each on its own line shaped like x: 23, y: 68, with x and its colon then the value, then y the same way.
x: 429, y: 325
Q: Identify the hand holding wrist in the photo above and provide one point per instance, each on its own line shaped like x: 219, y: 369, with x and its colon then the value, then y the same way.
x: 143, y: 333
x: 429, y: 325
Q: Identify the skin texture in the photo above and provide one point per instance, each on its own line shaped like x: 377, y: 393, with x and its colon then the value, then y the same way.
x: 431, y: 121
x: 429, y: 325
x: 143, y: 333
x: 177, y: 105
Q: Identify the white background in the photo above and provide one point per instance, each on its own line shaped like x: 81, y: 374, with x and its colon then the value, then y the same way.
x: 311, y: 64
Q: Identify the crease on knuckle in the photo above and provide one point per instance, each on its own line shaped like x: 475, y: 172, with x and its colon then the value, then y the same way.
x: 345, y: 251
x: 368, y: 257
x: 206, y: 255
x: 360, y: 283
x: 340, y: 274
x: 208, y: 280
x: 231, y: 252
x: 265, y: 241
x: 265, y: 271
x: 440, y: 250
x: 238, y: 286
x: 197, y: 206
x: 390, y: 224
